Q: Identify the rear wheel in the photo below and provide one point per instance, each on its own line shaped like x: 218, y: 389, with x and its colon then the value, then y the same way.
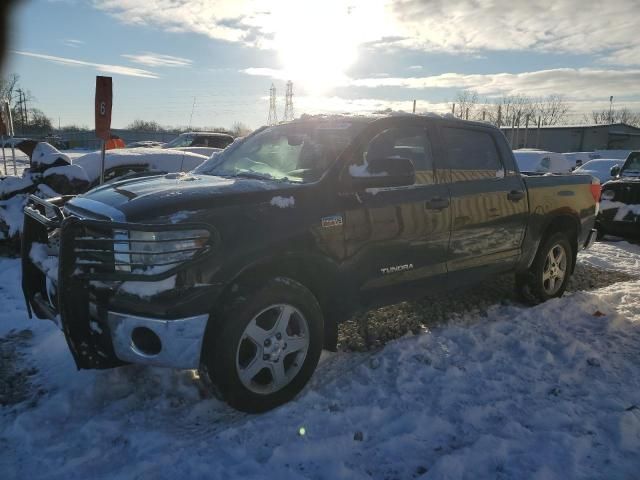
x: 550, y: 271
x: 267, y: 346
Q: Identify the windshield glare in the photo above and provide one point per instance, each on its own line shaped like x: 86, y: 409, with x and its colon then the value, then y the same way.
x: 298, y: 152
x: 180, y: 141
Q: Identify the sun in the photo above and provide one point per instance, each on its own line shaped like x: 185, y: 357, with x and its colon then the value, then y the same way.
x: 318, y: 42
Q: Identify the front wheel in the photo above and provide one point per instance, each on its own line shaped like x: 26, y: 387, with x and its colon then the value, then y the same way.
x: 267, y: 346
x: 550, y: 271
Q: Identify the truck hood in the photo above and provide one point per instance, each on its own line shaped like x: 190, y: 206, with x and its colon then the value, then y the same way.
x: 155, y: 197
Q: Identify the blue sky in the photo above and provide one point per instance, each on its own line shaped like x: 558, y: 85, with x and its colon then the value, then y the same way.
x: 356, y: 55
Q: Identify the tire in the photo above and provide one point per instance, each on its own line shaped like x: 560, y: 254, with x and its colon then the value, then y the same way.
x: 267, y: 344
x: 546, y: 278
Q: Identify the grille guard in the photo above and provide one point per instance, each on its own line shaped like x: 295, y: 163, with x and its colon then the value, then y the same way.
x: 70, y: 306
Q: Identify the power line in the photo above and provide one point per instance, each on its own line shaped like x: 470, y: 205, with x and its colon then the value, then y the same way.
x: 273, y: 115
x: 288, y: 102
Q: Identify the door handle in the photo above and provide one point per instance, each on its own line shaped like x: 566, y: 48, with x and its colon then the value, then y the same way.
x: 515, y: 195
x: 437, y: 203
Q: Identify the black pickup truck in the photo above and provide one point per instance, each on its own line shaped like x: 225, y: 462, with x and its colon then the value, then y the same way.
x: 245, y: 266
x: 620, y: 207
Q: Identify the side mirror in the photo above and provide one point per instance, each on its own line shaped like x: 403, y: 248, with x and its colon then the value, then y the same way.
x: 383, y: 172
x: 615, y: 170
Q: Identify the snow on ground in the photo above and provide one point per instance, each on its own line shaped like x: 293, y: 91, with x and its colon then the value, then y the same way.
x: 546, y: 392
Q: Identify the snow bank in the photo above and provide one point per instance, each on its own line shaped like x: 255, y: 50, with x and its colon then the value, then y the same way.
x: 166, y: 160
x: 12, y: 185
x: 11, y: 215
x: 46, y: 154
x: 72, y: 172
x: 543, y: 392
x: 283, y: 202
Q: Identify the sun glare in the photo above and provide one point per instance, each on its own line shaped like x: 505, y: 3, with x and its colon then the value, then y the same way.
x: 318, y: 42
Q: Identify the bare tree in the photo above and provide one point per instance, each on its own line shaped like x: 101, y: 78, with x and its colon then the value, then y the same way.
x: 552, y: 110
x: 145, y: 126
x: 8, y: 86
x: 466, y: 104
x: 239, y: 129
x: 619, y: 115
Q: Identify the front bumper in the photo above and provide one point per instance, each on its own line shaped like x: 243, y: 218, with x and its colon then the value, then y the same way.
x: 620, y: 221
x: 105, y: 325
x: 179, y: 341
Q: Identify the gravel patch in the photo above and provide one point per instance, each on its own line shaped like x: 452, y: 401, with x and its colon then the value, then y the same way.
x: 372, y: 329
x: 15, y: 374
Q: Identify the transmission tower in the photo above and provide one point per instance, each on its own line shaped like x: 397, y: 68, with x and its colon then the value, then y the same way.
x: 273, y: 115
x: 288, y: 102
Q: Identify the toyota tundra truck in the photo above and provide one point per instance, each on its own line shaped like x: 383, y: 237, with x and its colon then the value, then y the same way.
x: 245, y: 266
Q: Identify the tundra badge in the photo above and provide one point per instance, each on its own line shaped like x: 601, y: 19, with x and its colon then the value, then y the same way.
x: 396, y: 268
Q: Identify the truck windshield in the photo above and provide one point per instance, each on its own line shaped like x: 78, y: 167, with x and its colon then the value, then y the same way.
x: 296, y: 152
x: 631, y: 167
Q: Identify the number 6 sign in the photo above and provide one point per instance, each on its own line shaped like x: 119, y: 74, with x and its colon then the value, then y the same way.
x: 104, y: 97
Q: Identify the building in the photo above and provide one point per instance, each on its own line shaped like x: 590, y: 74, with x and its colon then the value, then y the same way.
x: 575, y: 138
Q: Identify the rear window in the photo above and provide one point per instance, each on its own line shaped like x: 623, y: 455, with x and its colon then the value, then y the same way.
x: 472, y: 155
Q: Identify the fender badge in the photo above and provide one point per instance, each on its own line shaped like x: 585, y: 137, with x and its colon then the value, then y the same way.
x: 396, y: 268
x: 332, y: 221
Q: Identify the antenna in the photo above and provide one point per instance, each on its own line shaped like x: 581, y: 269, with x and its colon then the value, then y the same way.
x: 273, y: 115
x: 288, y: 102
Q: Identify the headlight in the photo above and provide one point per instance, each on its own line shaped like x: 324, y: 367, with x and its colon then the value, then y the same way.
x: 160, y: 251
x: 608, y: 195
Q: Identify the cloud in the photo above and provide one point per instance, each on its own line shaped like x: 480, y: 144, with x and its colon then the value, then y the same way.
x: 587, y: 83
x: 104, y: 68
x: 335, y: 104
x: 608, y: 29
x: 158, y: 60
x: 72, y: 42
x: 265, y: 72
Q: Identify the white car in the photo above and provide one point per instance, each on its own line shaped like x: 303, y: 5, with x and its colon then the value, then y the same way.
x: 540, y: 161
x: 580, y: 158
x: 600, y: 168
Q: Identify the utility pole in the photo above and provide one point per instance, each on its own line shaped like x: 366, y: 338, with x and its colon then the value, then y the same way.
x: 273, y: 115
x: 288, y: 102
x: 610, y: 109
x: 414, y: 106
x: 22, y: 108
x: 193, y: 107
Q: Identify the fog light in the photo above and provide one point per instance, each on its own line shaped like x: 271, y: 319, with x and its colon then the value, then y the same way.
x: 145, y: 341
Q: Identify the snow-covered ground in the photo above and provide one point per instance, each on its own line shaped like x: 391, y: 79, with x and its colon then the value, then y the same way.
x: 546, y: 392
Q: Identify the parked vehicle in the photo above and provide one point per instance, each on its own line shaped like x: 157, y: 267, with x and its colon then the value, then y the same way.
x: 540, y: 161
x: 601, y: 168
x: 577, y: 159
x: 245, y: 266
x: 202, y: 143
x: 145, y: 144
x: 620, y: 206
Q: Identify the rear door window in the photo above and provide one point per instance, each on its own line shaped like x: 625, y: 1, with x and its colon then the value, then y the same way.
x: 472, y: 155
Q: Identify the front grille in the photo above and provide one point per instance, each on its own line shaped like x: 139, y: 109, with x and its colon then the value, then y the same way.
x: 111, y: 251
